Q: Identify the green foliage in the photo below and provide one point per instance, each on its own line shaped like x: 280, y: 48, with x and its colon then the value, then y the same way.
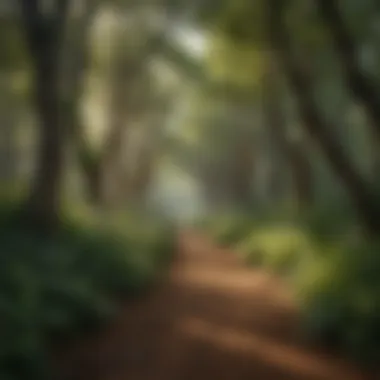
x: 228, y: 229
x: 70, y: 283
x: 341, y: 298
x: 329, y: 221
x: 237, y: 64
x: 241, y: 21
x: 278, y: 248
x: 334, y: 272
x: 90, y: 158
x: 13, y: 54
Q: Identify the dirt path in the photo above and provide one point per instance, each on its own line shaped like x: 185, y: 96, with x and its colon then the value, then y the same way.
x: 213, y: 319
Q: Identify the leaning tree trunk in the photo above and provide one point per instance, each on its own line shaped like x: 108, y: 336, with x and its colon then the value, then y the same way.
x: 358, y: 189
x: 362, y: 87
x: 44, y: 198
x: 45, y: 35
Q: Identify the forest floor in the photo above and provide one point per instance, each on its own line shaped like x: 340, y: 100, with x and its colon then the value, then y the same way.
x: 213, y: 319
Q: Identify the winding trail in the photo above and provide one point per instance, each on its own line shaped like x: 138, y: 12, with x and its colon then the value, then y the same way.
x: 212, y: 319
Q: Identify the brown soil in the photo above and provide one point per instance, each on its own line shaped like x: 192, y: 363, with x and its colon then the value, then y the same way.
x: 212, y: 319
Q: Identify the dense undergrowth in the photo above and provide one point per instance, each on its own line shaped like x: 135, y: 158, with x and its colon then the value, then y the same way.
x: 334, y: 271
x: 54, y: 288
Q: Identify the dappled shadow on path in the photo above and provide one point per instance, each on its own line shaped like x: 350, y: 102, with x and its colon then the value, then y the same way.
x: 212, y: 319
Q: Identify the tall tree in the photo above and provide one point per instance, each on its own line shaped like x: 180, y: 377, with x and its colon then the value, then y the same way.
x: 356, y: 186
x: 128, y: 76
x: 44, y: 27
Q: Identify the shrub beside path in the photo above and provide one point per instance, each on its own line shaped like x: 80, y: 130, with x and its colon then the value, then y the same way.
x: 212, y: 319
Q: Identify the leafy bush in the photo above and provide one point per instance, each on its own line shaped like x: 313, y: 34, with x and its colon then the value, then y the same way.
x: 274, y: 245
x: 279, y: 248
x: 333, y: 269
x: 69, y: 283
x: 341, y: 297
x: 228, y: 229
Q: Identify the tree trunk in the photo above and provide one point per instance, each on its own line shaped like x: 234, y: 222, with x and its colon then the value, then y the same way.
x: 45, y: 35
x: 98, y: 168
x: 356, y: 186
x: 45, y: 194
x: 130, y: 101
x: 361, y: 86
